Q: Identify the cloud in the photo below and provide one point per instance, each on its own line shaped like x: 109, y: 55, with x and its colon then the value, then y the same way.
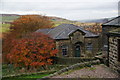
x: 60, y: 0
x: 15, y: 6
x: 72, y: 9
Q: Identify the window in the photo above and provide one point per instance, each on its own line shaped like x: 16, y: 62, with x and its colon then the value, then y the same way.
x: 64, y: 50
x: 89, y: 46
x: 118, y: 48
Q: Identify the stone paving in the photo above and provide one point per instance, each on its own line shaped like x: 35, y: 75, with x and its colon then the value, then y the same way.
x: 97, y: 71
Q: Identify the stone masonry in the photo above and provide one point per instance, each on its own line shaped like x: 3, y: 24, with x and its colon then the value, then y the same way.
x: 113, y: 53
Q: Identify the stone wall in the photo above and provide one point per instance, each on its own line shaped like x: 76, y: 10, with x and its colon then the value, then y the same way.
x: 78, y: 37
x: 113, y: 53
x: 72, y: 67
x: 59, y: 43
x: 71, y: 50
x: 105, y: 30
x: 95, y: 46
x: 75, y: 37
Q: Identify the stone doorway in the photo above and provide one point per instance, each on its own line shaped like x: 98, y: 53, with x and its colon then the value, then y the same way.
x: 77, y: 49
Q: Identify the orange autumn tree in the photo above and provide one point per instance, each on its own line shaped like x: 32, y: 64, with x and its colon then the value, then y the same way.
x: 23, y: 25
x: 29, y: 23
x: 32, y: 51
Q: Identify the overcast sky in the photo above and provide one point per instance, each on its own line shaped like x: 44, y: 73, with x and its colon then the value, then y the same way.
x: 69, y: 9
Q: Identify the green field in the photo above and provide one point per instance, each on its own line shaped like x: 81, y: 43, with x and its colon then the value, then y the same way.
x: 8, y: 18
x: 4, y: 27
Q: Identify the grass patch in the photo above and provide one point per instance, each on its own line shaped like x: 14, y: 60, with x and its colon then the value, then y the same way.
x: 32, y: 76
x: 56, y: 24
x: 36, y: 76
x: 18, y: 79
x: 92, y: 68
x: 4, y: 27
x: 10, y: 70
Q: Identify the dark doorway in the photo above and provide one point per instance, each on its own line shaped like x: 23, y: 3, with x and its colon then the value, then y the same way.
x: 77, y: 49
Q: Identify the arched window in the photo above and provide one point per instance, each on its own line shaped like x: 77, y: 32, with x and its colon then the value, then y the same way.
x: 64, y: 50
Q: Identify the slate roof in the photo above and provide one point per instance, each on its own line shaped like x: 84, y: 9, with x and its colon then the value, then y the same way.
x: 64, y: 30
x: 113, y: 22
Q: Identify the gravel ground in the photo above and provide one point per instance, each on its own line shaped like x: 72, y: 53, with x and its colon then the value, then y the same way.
x: 97, y: 71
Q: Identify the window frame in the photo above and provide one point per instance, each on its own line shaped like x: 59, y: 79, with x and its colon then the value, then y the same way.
x: 64, y: 49
x: 89, y: 46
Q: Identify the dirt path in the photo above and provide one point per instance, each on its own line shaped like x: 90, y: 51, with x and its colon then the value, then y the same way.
x: 98, y: 71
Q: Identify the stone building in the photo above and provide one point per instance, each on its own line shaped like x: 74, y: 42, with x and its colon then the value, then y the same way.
x: 111, y: 40
x: 106, y: 27
x: 114, y: 49
x: 73, y: 41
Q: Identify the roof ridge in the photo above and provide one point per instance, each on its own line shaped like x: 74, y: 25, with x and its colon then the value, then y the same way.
x: 62, y: 31
x: 111, y: 20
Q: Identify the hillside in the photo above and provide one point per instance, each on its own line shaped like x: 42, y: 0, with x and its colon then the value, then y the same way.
x: 8, y: 17
x: 95, y: 20
x: 103, y: 20
x: 53, y: 18
x: 91, y: 26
